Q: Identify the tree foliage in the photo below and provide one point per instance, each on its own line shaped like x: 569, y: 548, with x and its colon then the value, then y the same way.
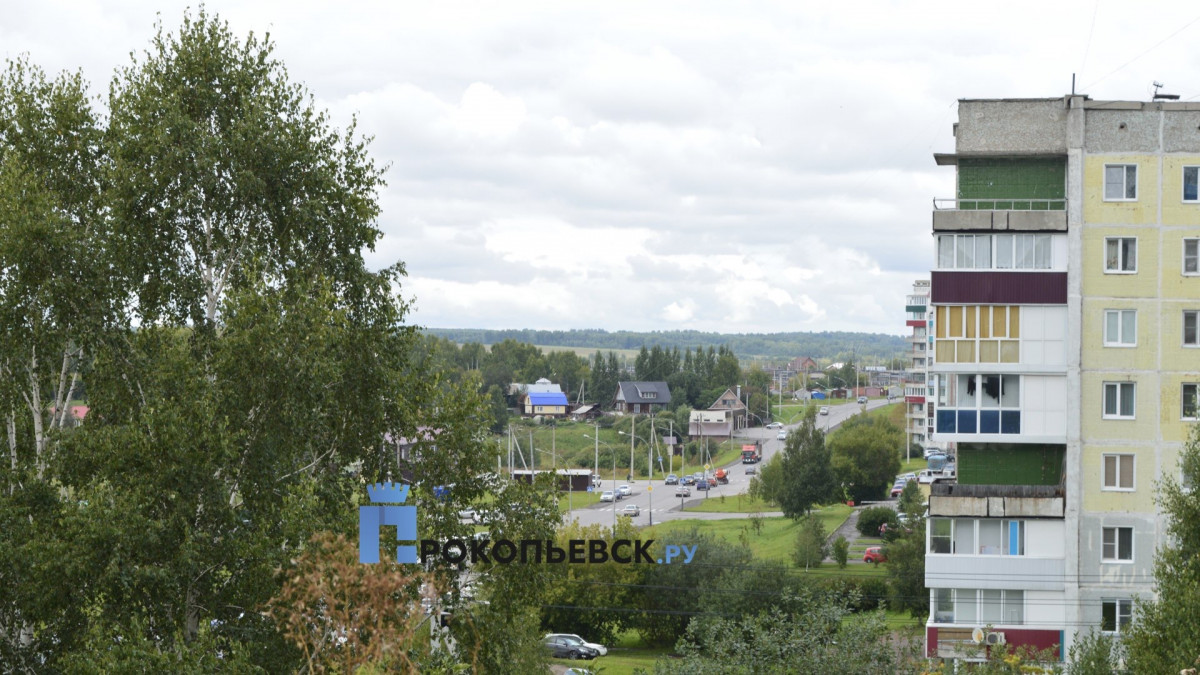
x: 866, y: 456
x: 800, y: 477
x: 198, y: 262
x: 1161, y: 638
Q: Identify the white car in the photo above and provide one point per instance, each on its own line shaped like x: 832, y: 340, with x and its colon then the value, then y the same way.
x: 598, y: 647
x: 782, y: 435
x: 624, y: 490
x: 631, y: 510
x: 824, y: 410
x: 608, y: 496
x: 775, y: 425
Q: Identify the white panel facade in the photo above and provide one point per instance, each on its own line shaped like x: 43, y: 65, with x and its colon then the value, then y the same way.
x: 1045, y: 538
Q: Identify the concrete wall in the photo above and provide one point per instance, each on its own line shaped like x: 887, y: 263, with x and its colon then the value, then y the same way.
x: 1012, y: 126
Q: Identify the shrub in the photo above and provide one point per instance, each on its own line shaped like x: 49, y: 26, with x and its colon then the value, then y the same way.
x: 870, y: 519
x: 841, y: 551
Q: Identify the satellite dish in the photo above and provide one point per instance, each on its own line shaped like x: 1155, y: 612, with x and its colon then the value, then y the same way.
x: 977, y: 635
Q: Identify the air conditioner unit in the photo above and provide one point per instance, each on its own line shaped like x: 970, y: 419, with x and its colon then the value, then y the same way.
x: 994, y: 638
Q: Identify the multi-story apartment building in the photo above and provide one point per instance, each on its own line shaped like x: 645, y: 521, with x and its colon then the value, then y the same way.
x: 919, y: 414
x: 1066, y: 303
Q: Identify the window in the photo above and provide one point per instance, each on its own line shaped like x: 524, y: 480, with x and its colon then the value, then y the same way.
x: 1118, y: 544
x: 1188, y: 398
x: 1190, y: 333
x: 1012, y: 251
x: 1118, y: 472
x: 1120, y: 255
x: 1120, y: 182
x: 1119, y: 400
x: 1191, y: 256
x: 1115, y: 615
x: 1120, y: 328
x: 939, y: 535
x: 1191, y: 174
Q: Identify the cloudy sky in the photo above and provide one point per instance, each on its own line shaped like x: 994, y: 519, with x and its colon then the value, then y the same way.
x: 718, y: 166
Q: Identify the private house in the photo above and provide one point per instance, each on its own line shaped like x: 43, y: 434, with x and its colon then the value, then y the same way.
x: 544, y: 403
x: 732, y: 404
x: 642, y: 397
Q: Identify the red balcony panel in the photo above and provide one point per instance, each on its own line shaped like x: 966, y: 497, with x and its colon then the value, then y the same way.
x: 914, y: 399
x: 1038, y: 639
x: 916, y: 323
x: 999, y: 288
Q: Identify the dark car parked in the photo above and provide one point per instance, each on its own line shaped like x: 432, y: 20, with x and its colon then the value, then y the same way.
x: 562, y: 647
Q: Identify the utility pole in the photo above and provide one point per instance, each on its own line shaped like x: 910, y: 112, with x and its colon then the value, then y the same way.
x: 632, y: 439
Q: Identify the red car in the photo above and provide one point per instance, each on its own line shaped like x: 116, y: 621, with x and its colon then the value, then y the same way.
x: 874, y: 554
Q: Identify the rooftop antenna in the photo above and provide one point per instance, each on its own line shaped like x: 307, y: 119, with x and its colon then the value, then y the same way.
x: 1163, y: 97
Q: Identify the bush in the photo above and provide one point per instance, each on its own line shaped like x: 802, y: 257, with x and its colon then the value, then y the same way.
x: 811, y: 548
x: 841, y: 551
x: 863, y: 594
x: 870, y: 519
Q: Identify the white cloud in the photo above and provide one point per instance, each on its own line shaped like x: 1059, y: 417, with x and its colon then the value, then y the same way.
x: 754, y: 167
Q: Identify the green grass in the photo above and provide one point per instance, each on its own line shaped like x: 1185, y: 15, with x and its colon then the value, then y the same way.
x: 774, y: 542
x: 620, y: 661
x: 577, y: 500
x: 732, y: 504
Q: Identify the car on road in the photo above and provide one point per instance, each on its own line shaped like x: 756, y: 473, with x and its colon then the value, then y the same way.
x: 687, y: 480
x: 608, y: 496
x: 683, y: 491
x: 671, y: 479
x: 898, y: 487
x: 702, y: 485
x: 562, y: 647
x: 699, y: 476
x: 624, y: 490
x: 601, y: 649
x: 631, y: 510
x: 874, y: 554
x: 470, y: 514
x: 824, y: 410
x: 751, y: 470
x: 862, y: 400
x: 775, y: 425
x: 782, y: 435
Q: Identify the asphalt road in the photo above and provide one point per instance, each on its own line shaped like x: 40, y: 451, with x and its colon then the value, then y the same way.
x: 658, y: 502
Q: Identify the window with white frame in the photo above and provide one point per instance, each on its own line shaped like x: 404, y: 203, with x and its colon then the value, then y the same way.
x: 1118, y: 472
x: 1001, y: 251
x: 1115, y: 615
x: 1120, y: 182
x: 979, y: 606
x: 1191, y: 328
x: 1120, y: 255
x: 1117, y: 545
x: 1188, y: 396
x: 1191, y: 183
x: 1191, y: 256
x: 1119, y: 400
x: 1120, y: 328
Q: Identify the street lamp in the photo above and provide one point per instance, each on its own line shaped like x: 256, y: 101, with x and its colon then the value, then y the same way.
x: 614, y: 474
x: 649, y: 470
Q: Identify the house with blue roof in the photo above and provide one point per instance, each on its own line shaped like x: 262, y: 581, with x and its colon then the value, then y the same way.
x: 544, y: 403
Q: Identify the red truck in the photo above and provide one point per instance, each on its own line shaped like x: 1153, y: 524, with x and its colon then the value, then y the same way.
x: 752, y: 454
x: 721, y: 477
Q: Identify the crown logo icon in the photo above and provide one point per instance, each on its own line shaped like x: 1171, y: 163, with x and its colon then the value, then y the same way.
x: 387, y: 493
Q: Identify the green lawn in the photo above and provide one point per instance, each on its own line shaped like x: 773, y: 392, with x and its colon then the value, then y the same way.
x: 732, y: 504
x: 577, y: 500
x: 774, y: 542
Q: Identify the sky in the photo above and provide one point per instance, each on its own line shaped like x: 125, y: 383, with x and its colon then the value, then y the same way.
x: 743, y: 167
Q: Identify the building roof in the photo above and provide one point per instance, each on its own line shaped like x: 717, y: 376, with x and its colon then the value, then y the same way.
x: 644, y: 392
x: 547, y: 398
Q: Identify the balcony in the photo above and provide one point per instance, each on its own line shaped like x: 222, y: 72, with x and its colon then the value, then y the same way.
x: 972, y: 421
x: 1016, y: 215
x: 996, y: 501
